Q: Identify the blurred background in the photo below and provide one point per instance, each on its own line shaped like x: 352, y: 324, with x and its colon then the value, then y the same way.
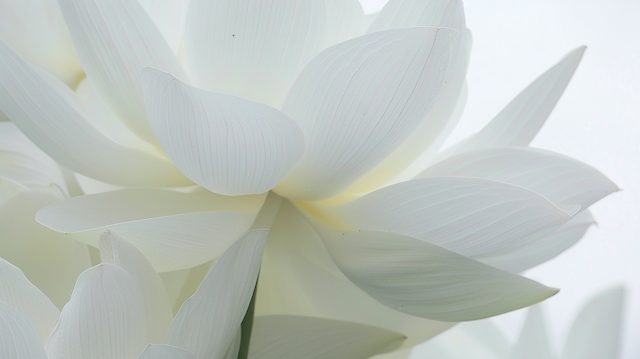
x: 597, y: 121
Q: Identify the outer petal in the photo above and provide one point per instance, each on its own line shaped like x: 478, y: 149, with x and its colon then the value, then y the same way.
x: 544, y: 249
x: 18, y: 292
x: 163, y: 351
x: 103, y: 319
x: 209, y: 320
x: 293, y: 337
x: 422, y: 279
x: 173, y: 230
x: 344, y: 21
x: 470, y: 216
x: 116, y: 39
x: 169, y: 16
x: 596, y: 331
x: 358, y: 101
x: 533, y: 342
x: 409, y: 13
x: 227, y: 144
x: 559, y: 178
x: 19, y: 339
x: 50, y: 260
x: 253, y: 49
x: 298, y: 277
x: 36, y: 30
x: 48, y: 113
x: 519, y: 122
x: 115, y: 250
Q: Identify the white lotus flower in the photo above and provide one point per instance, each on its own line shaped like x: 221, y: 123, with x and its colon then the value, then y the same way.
x: 289, y: 109
x: 595, y: 333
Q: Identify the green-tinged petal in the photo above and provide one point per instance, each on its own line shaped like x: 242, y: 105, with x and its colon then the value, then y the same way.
x: 163, y: 351
x: 533, y: 342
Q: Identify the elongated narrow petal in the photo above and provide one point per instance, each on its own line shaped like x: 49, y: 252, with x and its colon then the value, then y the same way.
x: 519, y: 122
x: 252, y: 49
x: 359, y: 100
x: 117, y: 251
x: 560, y: 179
x: 18, y: 292
x: 533, y: 342
x: 596, y: 331
x: 50, y: 260
x: 48, y: 113
x: 410, y: 13
x: 116, y: 39
x: 292, y: 337
x: 169, y: 16
x: 422, y: 279
x: 36, y: 30
x: 470, y: 216
x: 163, y: 351
x: 173, y: 230
x: 227, y: 144
x: 103, y: 319
x: 19, y: 339
x: 544, y: 249
x: 345, y: 20
x: 208, y: 321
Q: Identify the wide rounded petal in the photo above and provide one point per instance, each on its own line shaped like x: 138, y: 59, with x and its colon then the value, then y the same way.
x: 115, y: 39
x: 224, y: 143
x: 49, y: 114
x: 103, y: 319
x: 50, y: 260
x: 36, y: 30
x: 169, y: 16
x: 357, y: 101
x: 422, y: 279
x: 294, y: 337
x: 533, y: 342
x: 19, y: 339
x: 595, y: 333
x: 117, y: 251
x: 544, y: 249
x: 560, y: 179
x: 470, y: 216
x: 252, y: 49
x: 18, y: 292
x: 173, y: 230
x: 298, y: 277
x: 208, y: 321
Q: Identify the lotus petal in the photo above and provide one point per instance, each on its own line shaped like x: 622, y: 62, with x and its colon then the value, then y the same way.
x: 19, y: 339
x: 169, y: 16
x: 533, y: 342
x: 163, y: 351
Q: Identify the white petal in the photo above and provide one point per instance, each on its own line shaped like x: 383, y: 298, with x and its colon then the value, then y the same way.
x: 410, y: 13
x: 49, y: 114
x: 50, y: 260
x: 470, y: 340
x: 596, y: 331
x: 19, y: 339
x: 544, y: 249
x: 470, y: 216
x: 357, y: 101
x: 234, y: 348
x: 163, y: 351
x: 559, y: 178
x: 18, y: 292
x: 169, y: 16
x: 9, y: 189
x: 533, y: 342
x: 208, y: 321
x: 422, y: 279
x: 344, y: 21
x: 293, y: 337
x: 173, y: 230
x: 519, y: 122
x: 253, y: 49
x: 117, y: 251
x: 116, y: 39
x: 227, y: 144
x: 103, y: 319
x: 299, y: 277
x: 36, y: 30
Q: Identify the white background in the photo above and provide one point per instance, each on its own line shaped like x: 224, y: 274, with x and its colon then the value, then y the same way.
x: 597, y: 121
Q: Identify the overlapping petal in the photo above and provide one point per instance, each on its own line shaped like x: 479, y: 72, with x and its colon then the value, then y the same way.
x: 173, y: 230
x: 293, y: 337
x: 409, y: 13
x: 533, y: 341
x: 356, y: 102
x: 224, y: 143
x: 19, y: 339
x: 169, y: 16
x: 163, y: 351
x: 345, y: 20
x: 114, y: 40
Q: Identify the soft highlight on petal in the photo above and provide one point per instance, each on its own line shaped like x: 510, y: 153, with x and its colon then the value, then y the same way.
x: 19, y: 339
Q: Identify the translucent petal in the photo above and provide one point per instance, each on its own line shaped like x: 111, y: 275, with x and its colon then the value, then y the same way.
x: 19, y: 339
x: 533, y: 342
